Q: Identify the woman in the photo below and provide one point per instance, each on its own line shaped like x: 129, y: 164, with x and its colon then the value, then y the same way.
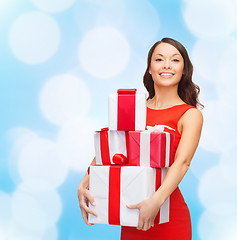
x: 172, y: 101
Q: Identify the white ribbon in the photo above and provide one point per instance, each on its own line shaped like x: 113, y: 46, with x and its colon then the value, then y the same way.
x: 165, y: 207
x: 158, y: 128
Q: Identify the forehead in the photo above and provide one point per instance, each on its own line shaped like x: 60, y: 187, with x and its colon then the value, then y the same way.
x: 166, y: 49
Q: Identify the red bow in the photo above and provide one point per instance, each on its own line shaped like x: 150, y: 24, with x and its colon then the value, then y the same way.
x: 120, y: 159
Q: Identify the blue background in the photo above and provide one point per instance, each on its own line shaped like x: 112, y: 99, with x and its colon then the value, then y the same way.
x: 23, y: 83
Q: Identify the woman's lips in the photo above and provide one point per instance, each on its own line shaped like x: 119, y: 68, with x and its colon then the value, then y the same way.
x: 166, y: 75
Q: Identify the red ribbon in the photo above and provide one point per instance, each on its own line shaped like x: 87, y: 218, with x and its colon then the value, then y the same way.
x: 114, y: 195
x: 159, y: 141
x: 104, y: 146
x: 158, y: 183
x: 127, y: 91
x: 126, y: 109
x: 118, y: 159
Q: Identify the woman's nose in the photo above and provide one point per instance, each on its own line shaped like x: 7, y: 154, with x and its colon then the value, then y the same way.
x: 167, y: 64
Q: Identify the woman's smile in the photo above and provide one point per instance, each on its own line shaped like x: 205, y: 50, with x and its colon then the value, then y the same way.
x: 166, y: 66
x: 166, y: 74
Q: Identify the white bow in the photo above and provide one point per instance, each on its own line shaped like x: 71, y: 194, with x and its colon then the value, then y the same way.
x: 158, y: 128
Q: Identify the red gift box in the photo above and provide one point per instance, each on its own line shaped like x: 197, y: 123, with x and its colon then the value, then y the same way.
x: 153, y: 149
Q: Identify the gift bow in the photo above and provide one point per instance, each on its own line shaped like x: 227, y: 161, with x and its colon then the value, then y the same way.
x: 103, y: 130
x: 158, y: 128
x: 120, y: 159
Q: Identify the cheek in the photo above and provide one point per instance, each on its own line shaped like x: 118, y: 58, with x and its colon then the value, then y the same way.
x: 153, y: 68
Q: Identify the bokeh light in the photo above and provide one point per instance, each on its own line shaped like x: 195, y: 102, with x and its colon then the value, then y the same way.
x: 64, y: 97
x: 76, y: 143
x: 203, y: 23
x: 104, y: 52
x: 53, y: 5
x: 34, y: 37
x: 59, y: 61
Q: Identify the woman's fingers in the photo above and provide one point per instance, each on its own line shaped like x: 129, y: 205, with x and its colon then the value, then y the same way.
x: 133, y: 206
x: 84, y: 197
x: 85, y: 217
x: 146, y: 226
x: 140, y: 223
x: 84, y: 207
x: 90, y: 197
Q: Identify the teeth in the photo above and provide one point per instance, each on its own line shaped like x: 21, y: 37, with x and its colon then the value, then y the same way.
x: 166, y: 74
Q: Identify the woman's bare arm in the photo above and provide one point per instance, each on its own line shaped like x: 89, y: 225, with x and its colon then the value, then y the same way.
x: 84, y: 197
x: 191, y: 123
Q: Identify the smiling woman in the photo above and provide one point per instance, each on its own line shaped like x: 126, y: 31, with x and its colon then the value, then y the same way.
x: 166, y: 65
x: 172, y: 101
x: 168, y: 59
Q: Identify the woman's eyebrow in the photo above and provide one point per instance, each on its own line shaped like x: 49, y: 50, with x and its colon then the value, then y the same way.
x: 171, y: 56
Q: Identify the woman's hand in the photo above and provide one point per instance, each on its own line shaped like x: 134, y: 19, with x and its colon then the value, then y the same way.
x: 148, y: 210
x: 84, y: 197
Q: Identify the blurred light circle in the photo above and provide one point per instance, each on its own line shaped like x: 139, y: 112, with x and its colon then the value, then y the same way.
x: 34, y: 37
x: 28, y: 212
x: 2, y: 235
x: 207, y: 57
x: 76, y: 143
x: 211, y: 137
x: 16, y: 231
x: 63, y: 97
x: 228, y: 156
x: 40, y: 166
x: 209, y: 19
x: 36, y: 212
x: 216, y: 226
x: 146, y: 16
x: 228, y: 170
x: 227, y: 78
x: 5, y: 210
x: 19, y: 137
x: 214, y: 191
x: 19, y: 232
x: 53, y: 5
x: 231, y: 232
x: 104, y: 52
x: 51, y: 233
x: 219, y: 122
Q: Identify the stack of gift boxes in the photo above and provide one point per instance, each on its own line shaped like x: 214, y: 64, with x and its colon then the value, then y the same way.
x: 131, y: 161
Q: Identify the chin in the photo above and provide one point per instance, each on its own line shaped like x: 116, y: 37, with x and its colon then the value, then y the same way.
x: 167, y: 84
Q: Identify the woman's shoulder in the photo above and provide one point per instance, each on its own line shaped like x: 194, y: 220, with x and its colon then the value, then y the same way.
x: 192, y: 116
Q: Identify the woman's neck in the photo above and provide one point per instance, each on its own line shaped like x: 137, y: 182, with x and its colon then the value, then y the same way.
x: 165, y: 97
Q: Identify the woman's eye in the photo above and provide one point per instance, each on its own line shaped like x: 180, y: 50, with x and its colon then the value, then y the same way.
x: 158, y: 59
x: 176, y: 60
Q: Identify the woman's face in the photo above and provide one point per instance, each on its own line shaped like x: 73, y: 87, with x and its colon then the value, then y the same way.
x: 167, y: 64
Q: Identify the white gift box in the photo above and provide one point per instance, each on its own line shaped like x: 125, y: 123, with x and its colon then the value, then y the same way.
x: 113, y: 191
x: 107, y: 144
x: 127, y: 110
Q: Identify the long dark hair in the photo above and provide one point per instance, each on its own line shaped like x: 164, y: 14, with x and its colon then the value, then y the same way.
x: 188, y: 91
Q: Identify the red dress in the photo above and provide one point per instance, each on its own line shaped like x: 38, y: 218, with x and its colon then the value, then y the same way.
x: 179, y: 226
